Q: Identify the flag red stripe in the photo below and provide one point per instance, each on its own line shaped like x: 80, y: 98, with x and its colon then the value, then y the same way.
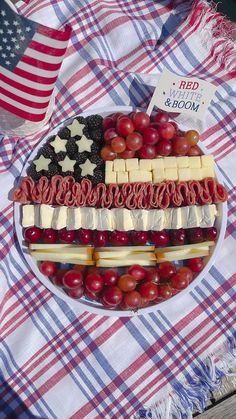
x: 34, y: 77
x: 55, y: 33
x: 22, y: 114
x: 40, y: 64
x: 36, y: 105
x: 56, y: 52
x: 24, y: 88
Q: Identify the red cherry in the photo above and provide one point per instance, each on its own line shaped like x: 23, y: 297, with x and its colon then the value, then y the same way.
x: 139, y: 237
x: 58, y: 277
x: 152, y: 275
x: 181, y: 279
x: 119, y: 238
x: 195, y: 264
x: 164, y: 291
x: 160, y: 238
x: 110, y: 277
x: 195, y: 235
x: 137, y: 271
x: 148, y: 290
x: 48, y: 268
x: 66, y: 236
x: 210, y: 233
x: 166, y: 270
x: 32, y: 234
x: 126, y: 283
x: 49, y: 236
x: 112, y: 296
x: 92, y: 295
x: 73, y: 279
x: 94, y: 282
x: 132, y: 300
x: 85, y: 236
x: 100, y: 238
x: 177, y: 237
x: 76, y: 293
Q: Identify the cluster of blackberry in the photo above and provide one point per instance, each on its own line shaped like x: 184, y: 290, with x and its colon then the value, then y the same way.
x: 92, y: 130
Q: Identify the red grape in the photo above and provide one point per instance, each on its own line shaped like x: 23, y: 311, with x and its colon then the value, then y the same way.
x: 117, y: 115
x: 195, y: 235
x: 150, y: 136
x: 148, y: 290
x: 210, y: 233
x: 107, y: 123
x: 161, y: 117
x: 110, y: 277
x: 92, y: 295
x: 163, y: 148
x: 134, y: 141
x: 112, y: 296
x: 66, y: 236
x: 160, y: 238
x: 32, y: 234
x: 109, y: 134
x: 100, y: 238
x: 132, y: 300
x: 180, y: 146
x: 118, y: 144
x: 126, y: 283
x: 137, y: 271
x: 181, y: 279
x: 58, y: 277
x: 76, y: 293
x: 73, y: 279
x: 195, y: 264
x: 119, y: 238
x: 127, y: 154
x: 174, y: 125
x: 48, y: 268
x: 107, y: 153
x: 80, y: 268
x: 152, y: 275
x: 192, y: 137
x: 164, y: 291
x: 94, y: 282
x: 147, y: 152
x: 166, y: 131
x: 124, y: 126
x: 49, y: 236
x: 139, y: 237
x: 85, y: 236
x: 177, y: 237
x: 141, y: 120
x: 194, y: 151
x: 166, y: 270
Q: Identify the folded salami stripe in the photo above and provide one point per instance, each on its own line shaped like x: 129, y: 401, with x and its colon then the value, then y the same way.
x: 67, y: 192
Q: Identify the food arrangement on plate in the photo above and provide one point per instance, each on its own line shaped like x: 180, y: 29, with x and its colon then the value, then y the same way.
x: 121, y: 210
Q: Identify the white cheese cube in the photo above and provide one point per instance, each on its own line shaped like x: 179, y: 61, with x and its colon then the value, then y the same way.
x: 158, y: 175
x: 171, y: 174
x: 105, y: 219
x: 59, y: 220
x: 193, y: 217
x: 194, y: 162
x: 155, y: 220
x: 184, y: 174
x: 28, y: 215
x: 182, y: 161
x: 176, y: 221
x: 140, y: 176
x: 196, y: 174
x: 132, y: 164
x: 119, y: 165
x: 207, y: 160
x: 73, y: 218
x: 110, y: 177
x: 208, y: 172
x: 145, y: 164
x: 157, y: 164
x: 88, y: 218
x: 122, y: 177
x: 108, y: 166
x: 170, y: 162
x: 140, y: 219
x: 122, y: 219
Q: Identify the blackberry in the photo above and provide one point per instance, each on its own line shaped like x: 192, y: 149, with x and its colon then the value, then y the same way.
x: 77, y: 174
x: 97, y: 135
x: 95, y: 148
x: 81, y: 157
x: 98, y: 176
x: 60, y: 156
x: 71, y: 148
x: 96, y: 159
x: 31, y: 171
x: 47, y: 152
x: 82, y: 120
x: 68, y: 173
x: 64, y: 133
x: 53, y: 169
x: 94, y: 121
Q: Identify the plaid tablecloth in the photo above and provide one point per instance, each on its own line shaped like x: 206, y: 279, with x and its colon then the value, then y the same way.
x: 56, y: 362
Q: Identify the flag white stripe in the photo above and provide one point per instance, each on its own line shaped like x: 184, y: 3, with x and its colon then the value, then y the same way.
x: 42, y: 57
x: 27, y: 96
x: 25, y: 108
x: 49, y: 42
x: 37, y: 71
x: 29, y: 83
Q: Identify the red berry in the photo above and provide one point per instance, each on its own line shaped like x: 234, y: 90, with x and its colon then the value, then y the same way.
x: 49, y: 236
x: 32, y: 234
x: 163, y: 148
x: 48, y: 268
x: 139, y: 237
x: 92, y: 295
x: 177, y: 237
x: 85, y: 236
x: 152, y: 275
x: 100, y: 238
x: 166, y: 270
x: 166, y: 131
x: 132, y: 300
x: 148, y: 290
x: 124, y: 126
x: 94, y: 282
x: 164, y: 291
x: 119, y: 238
x: 73, y: 279
x: 112, y: 296
x: 110, y: 277
x: 195, y: 235
x: 195, y: 264
x: 150, y: 136
x: 210, y: 233
x: 161, y: 117
x: 58, y: 277
x: 181, y: 279
x: 137, y: 271
x: 141, y: 120
x: 76, y: 293
x: 160, y: 238
x: 66, y: 236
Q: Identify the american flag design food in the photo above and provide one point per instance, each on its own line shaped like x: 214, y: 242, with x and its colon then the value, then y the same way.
x: 59, y: 362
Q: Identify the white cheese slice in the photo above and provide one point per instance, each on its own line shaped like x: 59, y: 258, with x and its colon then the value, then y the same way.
x: 140, y: 176
x: 108, y: 166
x: 176, y: 221
x: 46, y: 215
x: 122, y: 177
x: 182, y: 161
x: 158, y: 175
x: 88, y: 218
x: 110, y: 177
x: 28, y: 215
x: 155, y: 220
x: 196, y: 174
x: 157, y: 164
x: 140, y: 219
x: 184, y: 174
x: 105, y: 221
x: 59, y: 220
x: 207, y: 160
x: 208, y: 172
x: 171, y: 174
x: 208, y: 214
x: 122, y: 219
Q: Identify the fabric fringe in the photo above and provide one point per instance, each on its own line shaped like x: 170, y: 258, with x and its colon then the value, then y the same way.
x: 184, y: 398
x: 215, y: 32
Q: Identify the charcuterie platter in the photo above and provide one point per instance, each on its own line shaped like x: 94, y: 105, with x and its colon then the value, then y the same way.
x: 120, y: 213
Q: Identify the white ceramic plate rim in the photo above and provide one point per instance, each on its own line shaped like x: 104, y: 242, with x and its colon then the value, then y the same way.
x: 86, y: 305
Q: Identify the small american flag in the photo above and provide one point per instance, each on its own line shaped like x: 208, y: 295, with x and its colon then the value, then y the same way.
x: 30, y: 59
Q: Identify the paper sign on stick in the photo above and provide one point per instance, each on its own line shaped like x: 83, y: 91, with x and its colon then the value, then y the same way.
x: 182, y: 94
